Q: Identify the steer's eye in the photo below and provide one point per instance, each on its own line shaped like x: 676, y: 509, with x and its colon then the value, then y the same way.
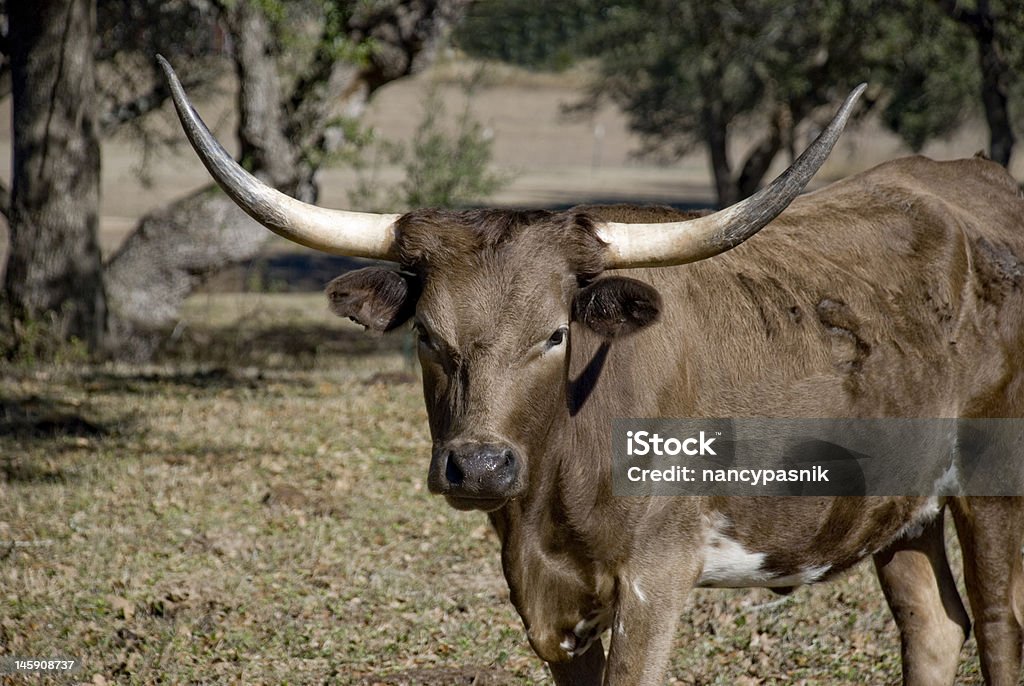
x: 557, y: 338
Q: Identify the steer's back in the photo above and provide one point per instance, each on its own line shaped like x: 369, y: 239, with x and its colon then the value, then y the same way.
x: 898, y: 292
x: 895, y: 292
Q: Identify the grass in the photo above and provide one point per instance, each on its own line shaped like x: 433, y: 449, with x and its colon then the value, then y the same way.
x: 254, y: 510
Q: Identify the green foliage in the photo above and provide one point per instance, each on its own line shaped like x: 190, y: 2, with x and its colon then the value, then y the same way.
x: 32, y: 342
x: 535, y: 34
x: 448, y: 169
x: 933, y: 83
x: 447, y: 164
x: 684, y: 71
x: 690, y: 72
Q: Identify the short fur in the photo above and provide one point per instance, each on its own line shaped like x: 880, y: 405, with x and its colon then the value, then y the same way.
x: 898, y: 292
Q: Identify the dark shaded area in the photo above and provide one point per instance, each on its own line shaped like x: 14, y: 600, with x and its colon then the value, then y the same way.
x: 274, y: 346
x: 301, y: 271
x: 582, y: 386
x: 213, y: 378
x: 19, y: 471
x: 467, y: 676
x: 846, y: 477
x: 36, y: 417
x: 39, y: 419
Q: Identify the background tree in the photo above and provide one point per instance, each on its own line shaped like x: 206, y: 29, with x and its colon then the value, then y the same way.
x: 299, y: 90
x: 694, y: 73
x: 998, y: 30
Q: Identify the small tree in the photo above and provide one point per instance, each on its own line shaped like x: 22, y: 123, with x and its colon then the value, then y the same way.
x: 447, y: 164
x: 448, y: 170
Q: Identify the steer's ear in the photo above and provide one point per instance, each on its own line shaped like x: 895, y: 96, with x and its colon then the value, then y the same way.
x: 379, y: 299
x: 616, y: 306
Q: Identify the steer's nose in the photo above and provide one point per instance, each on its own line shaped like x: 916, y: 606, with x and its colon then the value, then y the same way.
x: 475, y: 470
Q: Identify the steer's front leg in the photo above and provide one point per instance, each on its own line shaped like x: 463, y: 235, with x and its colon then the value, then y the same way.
x: 650, y: 600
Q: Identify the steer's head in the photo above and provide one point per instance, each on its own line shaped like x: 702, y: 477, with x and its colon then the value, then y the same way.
x: 491, y: 295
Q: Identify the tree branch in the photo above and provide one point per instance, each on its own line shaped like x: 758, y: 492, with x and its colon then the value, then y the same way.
x: 130, y: 110
x: 972, y: 19
x: 404, y: 38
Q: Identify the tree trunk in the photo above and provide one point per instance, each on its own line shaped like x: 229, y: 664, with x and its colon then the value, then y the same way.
x: 283, y: 138
x: 994, y: 72
x: 759, y: 161
x: 717, y: 139
x: 175, y: 248
x: 54, y: 273
x: 995, y: 75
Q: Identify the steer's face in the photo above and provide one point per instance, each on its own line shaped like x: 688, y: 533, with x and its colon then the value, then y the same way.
x: 491, y: 296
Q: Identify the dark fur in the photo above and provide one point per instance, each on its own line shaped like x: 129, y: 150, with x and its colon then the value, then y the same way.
x: 616, y: 306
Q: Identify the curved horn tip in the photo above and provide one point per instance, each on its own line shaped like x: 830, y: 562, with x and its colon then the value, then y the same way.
x: 671, y: 243
x: 359, y: 234
x: 855, y: 94
x: 166, y: 67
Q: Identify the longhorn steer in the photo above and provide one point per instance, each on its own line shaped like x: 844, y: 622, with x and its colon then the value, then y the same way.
x: 896, y: 292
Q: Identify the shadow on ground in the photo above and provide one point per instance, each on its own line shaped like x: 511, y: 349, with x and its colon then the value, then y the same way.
x: 60, y: 424
x: 276, y: 345
x: 45, y: 418
x: 464, y: 676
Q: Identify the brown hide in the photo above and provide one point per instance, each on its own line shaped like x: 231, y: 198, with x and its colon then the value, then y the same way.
x: 894, y: 293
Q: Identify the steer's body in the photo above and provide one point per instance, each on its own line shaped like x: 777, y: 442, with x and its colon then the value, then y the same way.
x: 896, y: 293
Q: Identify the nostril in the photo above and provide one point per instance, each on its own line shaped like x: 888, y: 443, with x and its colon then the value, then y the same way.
x: 452, y: 472
x: 509, y: 458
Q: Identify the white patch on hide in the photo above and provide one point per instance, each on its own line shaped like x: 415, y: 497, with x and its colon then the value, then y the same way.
x: 727, y: 564
x: 807, y: 575
x: 920, y: 518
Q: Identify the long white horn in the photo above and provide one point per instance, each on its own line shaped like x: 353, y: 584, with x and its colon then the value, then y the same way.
x: 669, y: 243
x: 359, y: 234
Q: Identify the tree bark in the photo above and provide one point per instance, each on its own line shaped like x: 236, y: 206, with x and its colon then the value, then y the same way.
x: 54, y: 272
x: 283, y: 139
x: 716, y: 138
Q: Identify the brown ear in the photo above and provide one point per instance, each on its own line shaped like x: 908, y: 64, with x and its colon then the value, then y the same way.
x: 616, y: 306
x: 379, y: 299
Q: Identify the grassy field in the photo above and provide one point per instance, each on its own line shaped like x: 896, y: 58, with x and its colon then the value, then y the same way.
x: 253, y: 510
